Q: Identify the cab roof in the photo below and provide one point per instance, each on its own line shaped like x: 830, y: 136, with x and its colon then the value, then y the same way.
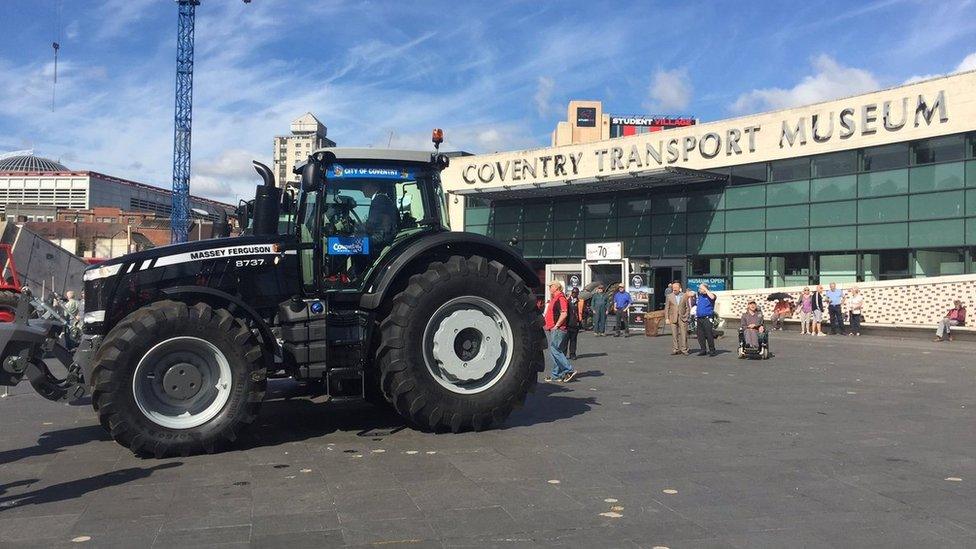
x: 393, y: 155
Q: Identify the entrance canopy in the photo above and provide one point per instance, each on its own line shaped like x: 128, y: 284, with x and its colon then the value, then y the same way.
x: 659, y: 177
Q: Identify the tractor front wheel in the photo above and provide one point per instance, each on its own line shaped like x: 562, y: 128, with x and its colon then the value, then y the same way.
x: 462, y: 345
x: 173, y: 379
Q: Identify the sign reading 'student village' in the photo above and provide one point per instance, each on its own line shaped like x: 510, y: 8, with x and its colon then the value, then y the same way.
x: 733, y: 144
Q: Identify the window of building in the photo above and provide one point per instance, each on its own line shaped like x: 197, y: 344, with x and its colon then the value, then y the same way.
x: 790, y: 169
x: 885, y: 157
x: 707, y: 266
x: 748, y: 173
x: 790, y: 270
x: 833, y: 164
x: 885, y: 265
x: 940, y: 262
x: 748, y: 273
x: 940, y: 149
x: 839, y: 268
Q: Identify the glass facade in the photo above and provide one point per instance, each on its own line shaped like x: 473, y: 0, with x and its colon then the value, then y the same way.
x: 892, y: 211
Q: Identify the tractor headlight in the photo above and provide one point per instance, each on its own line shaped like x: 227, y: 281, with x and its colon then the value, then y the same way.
x: 101, y: 272
x: 94, y: 316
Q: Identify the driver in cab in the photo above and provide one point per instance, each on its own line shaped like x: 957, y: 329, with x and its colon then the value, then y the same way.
x: 383, y: 219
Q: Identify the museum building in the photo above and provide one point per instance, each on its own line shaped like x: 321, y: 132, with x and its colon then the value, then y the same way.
x: 870, y: 187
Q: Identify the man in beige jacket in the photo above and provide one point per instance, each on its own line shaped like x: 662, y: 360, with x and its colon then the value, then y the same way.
x: 676, y: 312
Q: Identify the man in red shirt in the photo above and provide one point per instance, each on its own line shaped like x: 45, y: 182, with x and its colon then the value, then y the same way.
x: 555, y: 315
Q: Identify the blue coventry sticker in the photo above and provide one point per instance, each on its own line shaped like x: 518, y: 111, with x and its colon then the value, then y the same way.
x: 348, y: 245
x: 337, y: 171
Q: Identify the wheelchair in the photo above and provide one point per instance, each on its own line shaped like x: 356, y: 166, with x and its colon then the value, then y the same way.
x: 747, y: 351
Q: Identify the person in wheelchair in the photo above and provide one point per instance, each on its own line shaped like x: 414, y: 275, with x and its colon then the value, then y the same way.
x: 753, y: 338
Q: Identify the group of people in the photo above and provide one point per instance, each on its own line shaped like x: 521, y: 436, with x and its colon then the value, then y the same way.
x: 680, y: 308
x: 811, y: 306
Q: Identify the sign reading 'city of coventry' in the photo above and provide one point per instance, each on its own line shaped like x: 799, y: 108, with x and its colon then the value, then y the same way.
x: 657, y: 150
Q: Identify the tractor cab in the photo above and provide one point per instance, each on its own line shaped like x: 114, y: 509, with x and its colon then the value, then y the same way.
x: 354, y: 205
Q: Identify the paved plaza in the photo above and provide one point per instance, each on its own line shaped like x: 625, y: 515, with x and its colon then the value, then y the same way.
x: 835, y: 442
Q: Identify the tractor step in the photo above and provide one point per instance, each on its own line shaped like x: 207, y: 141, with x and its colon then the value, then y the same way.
x: 345, y: 384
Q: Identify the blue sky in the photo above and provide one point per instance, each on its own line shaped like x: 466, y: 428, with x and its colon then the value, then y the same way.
x: 495, y: 75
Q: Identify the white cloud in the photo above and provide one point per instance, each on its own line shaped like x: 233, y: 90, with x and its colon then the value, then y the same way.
x: 830, y: 80
x: 543, y: 96
x: 967, y: 64
x: 669, y: 91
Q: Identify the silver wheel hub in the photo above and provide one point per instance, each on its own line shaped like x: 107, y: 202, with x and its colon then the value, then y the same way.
x: 182, y: 382
x: 467, y: 344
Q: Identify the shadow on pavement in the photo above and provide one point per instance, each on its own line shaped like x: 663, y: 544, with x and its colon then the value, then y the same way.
x: 551, y: 402
x: 77, y: 488
x: 54, y: 442
x: 590, y: 355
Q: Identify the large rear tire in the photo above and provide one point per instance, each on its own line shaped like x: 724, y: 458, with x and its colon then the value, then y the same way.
x: 171, y: 379
x: 462, y: 346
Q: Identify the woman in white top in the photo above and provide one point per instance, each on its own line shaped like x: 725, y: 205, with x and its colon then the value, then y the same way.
x: 855, y: 304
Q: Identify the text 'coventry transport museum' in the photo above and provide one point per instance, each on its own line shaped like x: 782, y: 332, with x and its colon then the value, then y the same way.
x: 876, y: 186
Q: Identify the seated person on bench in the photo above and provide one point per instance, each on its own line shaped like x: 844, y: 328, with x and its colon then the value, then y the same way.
x: 752, y: 324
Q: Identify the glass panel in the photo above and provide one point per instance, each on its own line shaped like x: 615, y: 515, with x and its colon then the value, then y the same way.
x: 795, y: 240
x: 790, y: 270
x: 669, y: 204
x: 569, y: 228
x: 937, y: 178
x: 705, y: 266
x: 634, y: 205
x: 637, y: 246
x: 531, y: 231
x: 940, y: 149
x: 476, y: 229
x: 715, y: 221
x: 670, y: 245
x: 748, y: 173
x: 537, y: 211
x: 789, y: 169
x: 705, y: 202
x: 537, y: 248
x: 751, y: 242
x: 937, y: 205
x: 940, y: 262
x: 748, y: 273
x: 948, y: 232
x: 745, y: 197
x: 833, y: 238
x: 600, y: 228
x: 794, y: 192
x: 971, y: 173
x: 569, y: 248
x: 668, y: 223
x: 713, y: 243
x: 508, y: 212
x: 885, y: 157
x: 877, y: 210
x: 598, y: 209
x: 971, y: 202
x: 833, y: 188
x: 885, y: 265
x: 745, y: 220
x: 889, y: 235
x: 477, y: 216
x: 787, y: 217
x: 883, y: 183
x: 838, y: 163
x: 634, y: 226
x: 568, y: 209
x: 505, y: 232
x: 971, y: 231
x: 833, y: 213
x: 838, y: 268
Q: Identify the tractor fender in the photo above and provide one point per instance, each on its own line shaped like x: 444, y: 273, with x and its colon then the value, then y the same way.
x: 246, y: 310
x: 441, y: 246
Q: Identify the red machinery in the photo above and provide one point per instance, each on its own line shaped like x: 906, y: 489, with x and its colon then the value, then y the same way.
x: 9, y: 284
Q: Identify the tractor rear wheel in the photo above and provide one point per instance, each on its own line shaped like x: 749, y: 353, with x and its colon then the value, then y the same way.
x: 173, y: 379
x: 462, y: 345
x: 8, y: 305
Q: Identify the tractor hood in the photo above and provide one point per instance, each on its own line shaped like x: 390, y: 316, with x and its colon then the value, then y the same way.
x: 187, y: 252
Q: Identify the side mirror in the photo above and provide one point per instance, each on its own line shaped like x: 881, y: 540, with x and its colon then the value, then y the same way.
x: 312, y: 175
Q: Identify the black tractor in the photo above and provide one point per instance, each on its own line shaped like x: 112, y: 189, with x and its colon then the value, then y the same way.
x: 353, y: 285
